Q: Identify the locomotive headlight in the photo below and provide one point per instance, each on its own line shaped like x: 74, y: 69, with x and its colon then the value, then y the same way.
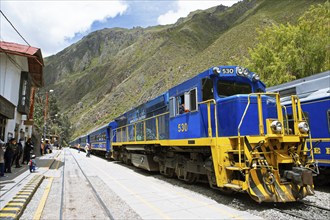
x: 303, y: 127
x: 255, y: 77
x: 246, y: 72
x: 276, y: 126
x: 216, y: 70
x: 240, y: 71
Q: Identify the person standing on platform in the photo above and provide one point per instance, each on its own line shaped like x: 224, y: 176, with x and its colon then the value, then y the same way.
x: 88, y: 150
x: 9, y: 154
x: 42, y: 147
x: 32, y: 163
x: 2, y: 159
x: 27, y: 151
x: 19, y: 152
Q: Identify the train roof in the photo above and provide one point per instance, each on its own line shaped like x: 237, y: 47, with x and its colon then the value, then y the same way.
x: 304, y: 86
x: 97, y: 129
x: 308, y: 88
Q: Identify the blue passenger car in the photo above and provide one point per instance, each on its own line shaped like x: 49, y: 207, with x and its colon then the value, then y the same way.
x: 99, y: 139
x: 314, y: 94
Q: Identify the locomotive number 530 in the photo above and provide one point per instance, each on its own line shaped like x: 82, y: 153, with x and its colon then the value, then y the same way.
x: 182, y: 127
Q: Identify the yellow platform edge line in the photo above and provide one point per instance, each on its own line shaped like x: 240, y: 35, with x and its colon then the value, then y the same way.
x: 22, y: 202
x: 7, y: 215
x: 38, y: 212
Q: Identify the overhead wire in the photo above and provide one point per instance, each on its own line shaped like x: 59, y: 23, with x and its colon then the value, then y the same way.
x: 14, y: 27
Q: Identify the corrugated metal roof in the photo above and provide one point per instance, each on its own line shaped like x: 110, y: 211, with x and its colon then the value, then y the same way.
x: 35, y: 60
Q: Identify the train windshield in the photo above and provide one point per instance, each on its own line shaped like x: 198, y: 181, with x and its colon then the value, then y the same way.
x: 228, y: 88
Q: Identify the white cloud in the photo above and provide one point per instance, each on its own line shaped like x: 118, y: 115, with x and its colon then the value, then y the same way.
x: 184, y: 7
x: 47, y: 24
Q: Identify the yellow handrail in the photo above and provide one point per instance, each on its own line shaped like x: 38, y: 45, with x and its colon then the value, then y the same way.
x: 144, y: 128
x: 260, y: 117
x: 209, y: 117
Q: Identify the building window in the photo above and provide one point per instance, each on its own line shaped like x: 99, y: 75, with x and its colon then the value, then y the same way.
x: 24, y: 98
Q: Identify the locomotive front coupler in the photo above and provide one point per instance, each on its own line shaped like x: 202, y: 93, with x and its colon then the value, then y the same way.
x: 299, y: 175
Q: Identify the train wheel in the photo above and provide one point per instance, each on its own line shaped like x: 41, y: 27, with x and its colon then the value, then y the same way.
x: 191, y: 178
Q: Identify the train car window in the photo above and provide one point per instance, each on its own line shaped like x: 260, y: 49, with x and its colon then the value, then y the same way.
x: 328, y: 116
x: 226, y: 88
x: 288, y: 92
x: 207, y: 89
x: 193, y: 100
x: 172, y: 107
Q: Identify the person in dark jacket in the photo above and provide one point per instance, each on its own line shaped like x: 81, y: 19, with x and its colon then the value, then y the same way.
x: 27, y: 151
x: 2, y: 160
x: 19, y: 152
x: 9, y: 154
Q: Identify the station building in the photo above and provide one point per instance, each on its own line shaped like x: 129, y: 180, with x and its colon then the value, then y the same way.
x: 21, y: 72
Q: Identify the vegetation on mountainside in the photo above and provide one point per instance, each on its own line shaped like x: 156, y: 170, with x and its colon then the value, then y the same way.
x: 287, y: 52
x: 112, y: 70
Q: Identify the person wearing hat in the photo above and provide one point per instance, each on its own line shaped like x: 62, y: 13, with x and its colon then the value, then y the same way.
x: 9, y: 154
x: 2, y: 159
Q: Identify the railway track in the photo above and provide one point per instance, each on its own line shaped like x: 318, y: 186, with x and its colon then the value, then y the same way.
x: 302, y: 210
x: 97, y: 196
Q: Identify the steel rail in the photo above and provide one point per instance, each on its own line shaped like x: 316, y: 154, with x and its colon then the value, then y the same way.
x: 94, y: 190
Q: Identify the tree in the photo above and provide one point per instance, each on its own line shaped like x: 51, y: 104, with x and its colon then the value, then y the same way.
x: 288, y: 52
x: 56, y: 123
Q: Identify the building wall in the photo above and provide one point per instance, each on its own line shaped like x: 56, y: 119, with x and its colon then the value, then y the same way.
x: 11, y: 67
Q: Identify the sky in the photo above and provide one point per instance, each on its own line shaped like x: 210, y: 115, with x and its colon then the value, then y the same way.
x: 53, y: 25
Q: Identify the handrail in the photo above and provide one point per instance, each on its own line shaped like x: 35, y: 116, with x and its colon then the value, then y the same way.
x: 286, y: 119
x: 209, y: 116
x: 260, y: 117
x: 145, y: 119
x: 126, y: 127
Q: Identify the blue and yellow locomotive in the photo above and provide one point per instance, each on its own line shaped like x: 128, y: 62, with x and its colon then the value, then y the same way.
x: 220, y: 126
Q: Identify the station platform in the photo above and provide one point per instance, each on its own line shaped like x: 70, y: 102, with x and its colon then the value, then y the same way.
x: 23, y: 194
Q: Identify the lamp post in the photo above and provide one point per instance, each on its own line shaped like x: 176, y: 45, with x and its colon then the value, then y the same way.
x: 45, y: 112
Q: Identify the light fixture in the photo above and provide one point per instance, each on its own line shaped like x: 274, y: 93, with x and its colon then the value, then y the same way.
x: 303, y: 127
x: 246, y: 72
x: 216, y: 70
x: 276, y: 126
x: 239, y: 70
x: 255, y: 77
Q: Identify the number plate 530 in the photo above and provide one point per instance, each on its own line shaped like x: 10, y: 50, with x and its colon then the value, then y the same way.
x: 183, y: 127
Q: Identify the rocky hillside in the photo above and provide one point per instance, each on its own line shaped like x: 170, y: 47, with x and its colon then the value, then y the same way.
x: 112, y: 70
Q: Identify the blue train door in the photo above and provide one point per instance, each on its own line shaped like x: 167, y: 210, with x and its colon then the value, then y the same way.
x: 108, y: 142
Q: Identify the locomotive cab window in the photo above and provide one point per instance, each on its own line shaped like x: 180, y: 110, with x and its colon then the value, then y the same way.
x: 226, y: 88
x: 207, y: 89
x: 183, y: 103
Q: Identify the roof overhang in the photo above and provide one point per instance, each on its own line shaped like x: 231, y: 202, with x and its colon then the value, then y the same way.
x: 34, y: 56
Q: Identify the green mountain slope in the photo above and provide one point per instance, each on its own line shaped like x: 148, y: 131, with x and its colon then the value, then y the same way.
x: 112, y: 70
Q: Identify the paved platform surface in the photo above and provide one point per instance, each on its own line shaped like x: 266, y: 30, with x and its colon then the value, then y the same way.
x: 149, y: 197
x: 18, y: 187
